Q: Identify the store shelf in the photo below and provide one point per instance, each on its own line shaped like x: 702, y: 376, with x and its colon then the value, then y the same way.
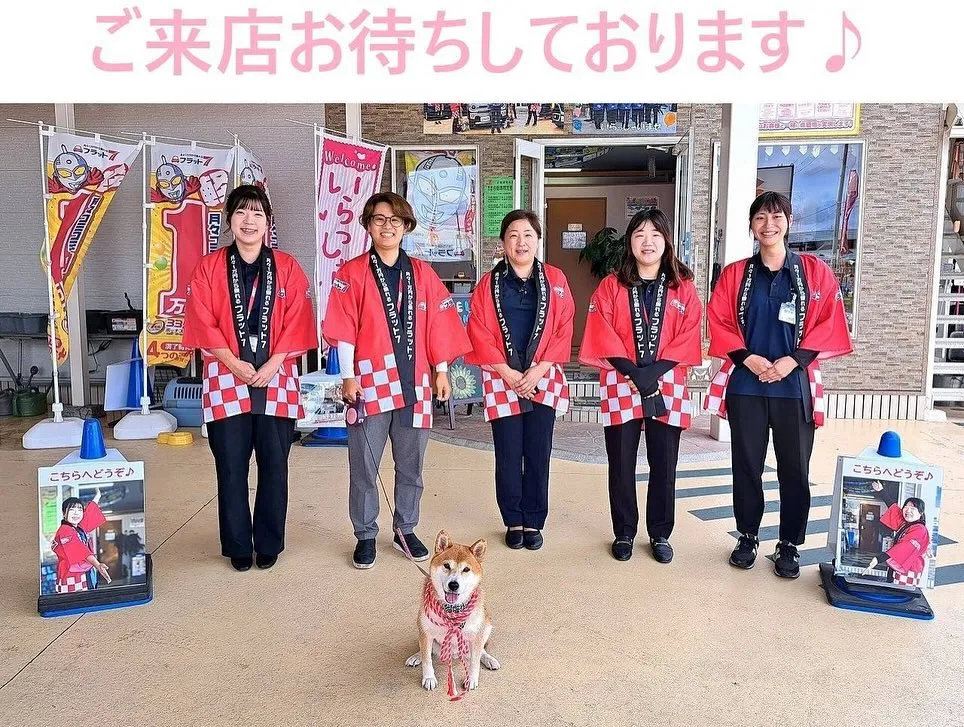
x: 90, y: 336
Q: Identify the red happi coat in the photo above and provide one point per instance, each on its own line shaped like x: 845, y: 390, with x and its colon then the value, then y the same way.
x: 825, y: 328
x: 356, y: 315
x: 209, y: 324
x: 555, y: 345
x: 609, y: 334
x: 72, y: 553
x: 907, y: 555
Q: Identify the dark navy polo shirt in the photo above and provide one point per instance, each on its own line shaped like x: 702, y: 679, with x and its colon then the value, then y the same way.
x: 766, y: 335
x: 519, y: 301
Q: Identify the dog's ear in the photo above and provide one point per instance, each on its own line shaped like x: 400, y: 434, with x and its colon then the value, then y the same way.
x: 442, y: 541
x: 478, y: 549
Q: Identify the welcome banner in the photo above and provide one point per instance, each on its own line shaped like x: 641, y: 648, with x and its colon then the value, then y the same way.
x: 188, y: 188
x: 349, y: 173
x: 83, y: 174
x: 249, y: 170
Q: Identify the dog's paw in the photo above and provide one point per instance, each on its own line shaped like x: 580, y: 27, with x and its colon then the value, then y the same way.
x: 471, y: 683
x: 490, y: 662
x: 414, y: 659
x: 429, y: 683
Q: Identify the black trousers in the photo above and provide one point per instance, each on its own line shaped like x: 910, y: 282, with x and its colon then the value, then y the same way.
x: 232, y: 441
x: 662, y: 453
x: 751, y: 419
x: 523, y: 446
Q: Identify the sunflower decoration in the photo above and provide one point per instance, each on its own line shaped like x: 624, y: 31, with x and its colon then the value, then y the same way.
x: 464, y: 383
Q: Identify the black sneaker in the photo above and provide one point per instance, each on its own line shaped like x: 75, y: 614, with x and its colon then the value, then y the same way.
x: 418, y: 551
x: 662, y: 550
x: 364, y: 555
x: 744, y: 555
x: 622, y: 548
x: 786, y: 560
x: 513, y: 538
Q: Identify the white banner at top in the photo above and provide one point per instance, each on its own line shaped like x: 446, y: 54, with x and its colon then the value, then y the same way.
x: 294, y: 51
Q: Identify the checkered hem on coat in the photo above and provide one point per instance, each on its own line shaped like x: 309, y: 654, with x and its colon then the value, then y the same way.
x: 382, y: 389
x: 618, y: 403
x: 222, y: 395
x: 501, y: 401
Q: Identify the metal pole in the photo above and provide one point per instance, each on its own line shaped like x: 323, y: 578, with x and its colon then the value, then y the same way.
x: 145, y: 232
x: 57, y: 407
x: 319, y: 141
x: 237, y: 172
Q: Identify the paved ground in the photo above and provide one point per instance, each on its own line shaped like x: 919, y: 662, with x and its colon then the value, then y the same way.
x: 577, y: 442
x: 583, y: 640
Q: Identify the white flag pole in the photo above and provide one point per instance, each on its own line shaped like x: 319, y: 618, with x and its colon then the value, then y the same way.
x: 319, y: 142
x: 237, y: 171
x: 145, y: 424
x: 58, y: 407
x: 56, y: 432
x: 145, y: 257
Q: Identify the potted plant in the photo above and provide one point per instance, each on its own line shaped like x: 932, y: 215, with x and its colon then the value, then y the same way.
x: 604, y: 252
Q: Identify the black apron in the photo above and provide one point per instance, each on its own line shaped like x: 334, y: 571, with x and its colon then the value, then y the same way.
x: 253, y: 348
x: 400, y: 316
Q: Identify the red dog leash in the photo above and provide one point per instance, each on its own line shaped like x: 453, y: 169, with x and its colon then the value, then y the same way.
x: 452, y: 621
x: 401, y: 536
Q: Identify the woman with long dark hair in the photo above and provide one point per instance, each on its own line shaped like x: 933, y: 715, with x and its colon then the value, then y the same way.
x: 642, y: 333
x: 77, y: 565
x: 906, y: 559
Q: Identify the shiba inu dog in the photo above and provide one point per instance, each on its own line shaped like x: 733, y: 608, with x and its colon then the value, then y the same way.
x: 452, y: 621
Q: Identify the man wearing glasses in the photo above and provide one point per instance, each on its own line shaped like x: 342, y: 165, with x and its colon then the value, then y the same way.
x: 392, y: 322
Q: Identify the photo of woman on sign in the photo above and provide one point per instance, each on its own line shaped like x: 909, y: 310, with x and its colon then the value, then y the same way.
x: 905, y: 559
x: 77, y: 565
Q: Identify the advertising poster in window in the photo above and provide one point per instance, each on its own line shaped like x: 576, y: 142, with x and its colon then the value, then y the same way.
x: 443, y: 188
x: 824, y: 183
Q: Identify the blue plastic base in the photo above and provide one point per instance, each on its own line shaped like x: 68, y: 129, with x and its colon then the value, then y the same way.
x: 93, y: 609
x: 871, y: 599
x: 102, y: 599
x: 326, y: 437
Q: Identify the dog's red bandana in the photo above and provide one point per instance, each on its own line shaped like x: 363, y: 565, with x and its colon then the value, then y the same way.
x: 453, y: 643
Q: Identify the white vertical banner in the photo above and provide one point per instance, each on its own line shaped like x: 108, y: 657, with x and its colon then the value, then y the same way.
x: 249, y: 170
x: 349, y: 172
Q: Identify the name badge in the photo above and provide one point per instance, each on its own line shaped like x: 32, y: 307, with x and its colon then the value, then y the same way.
x: 788, y: 311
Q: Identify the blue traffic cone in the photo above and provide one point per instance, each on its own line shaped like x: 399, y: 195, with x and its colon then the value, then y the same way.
x: 331, y: 362
x: 135, y: 378
x: 92, y: 441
